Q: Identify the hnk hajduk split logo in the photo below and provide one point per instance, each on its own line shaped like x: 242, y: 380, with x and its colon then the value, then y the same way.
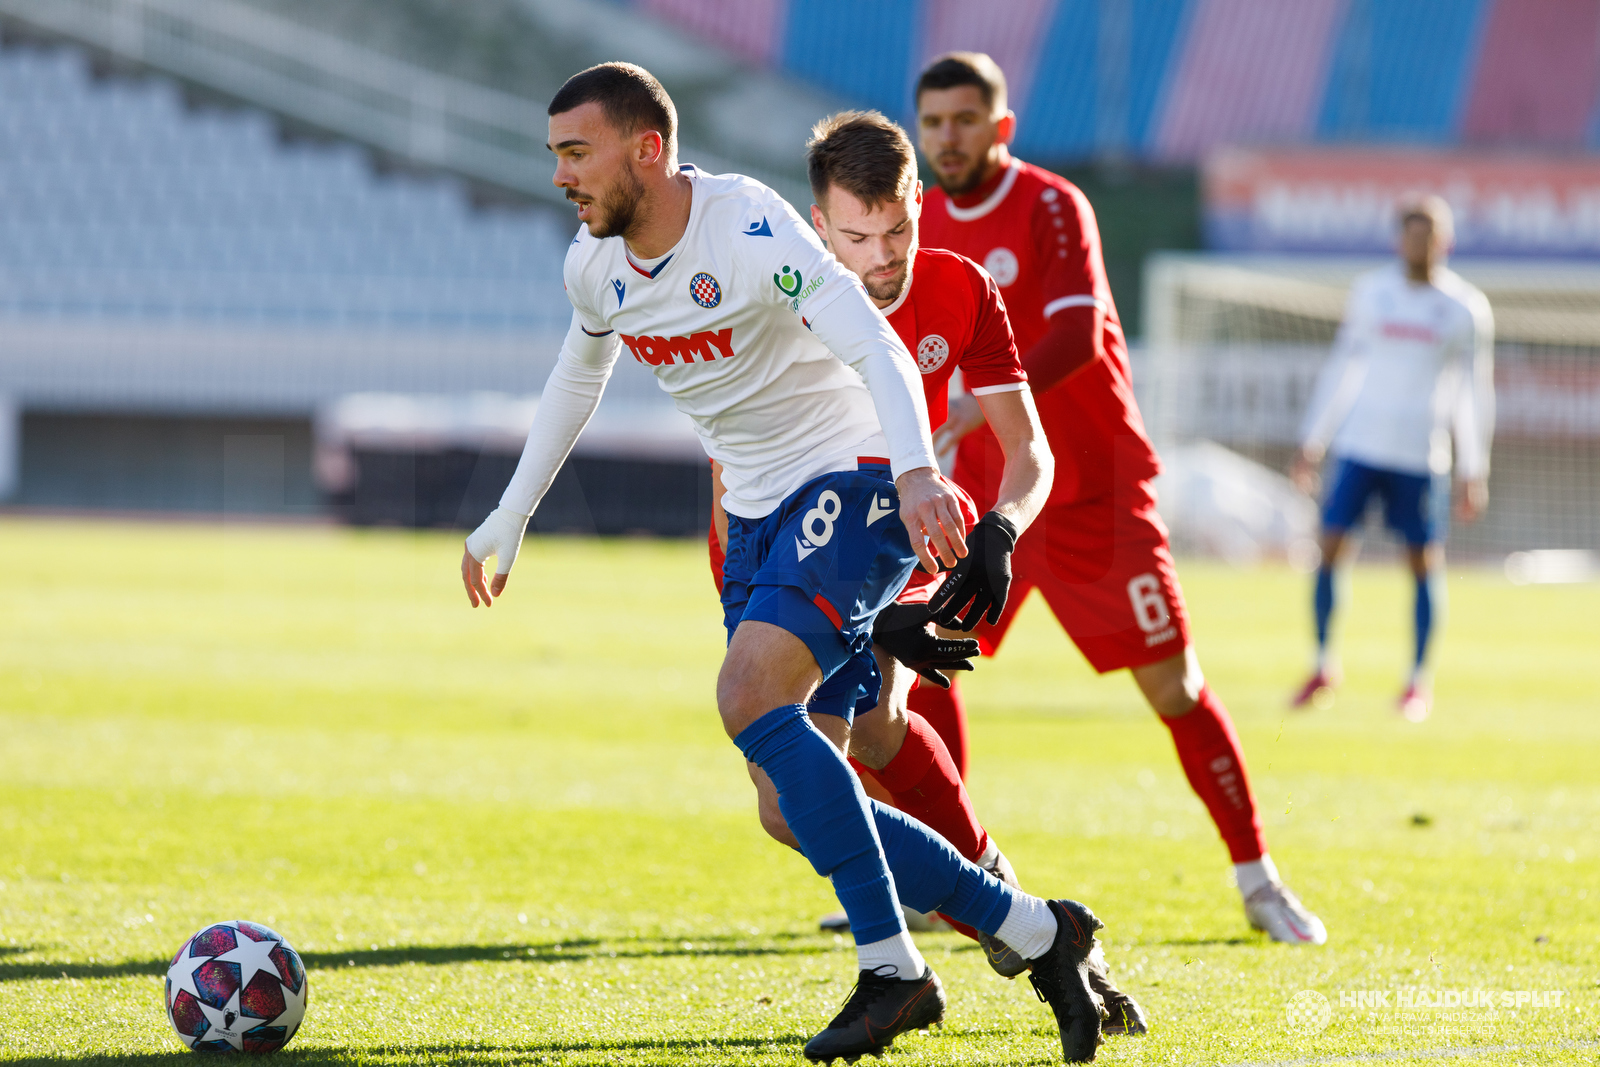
x: 1308, y: 1013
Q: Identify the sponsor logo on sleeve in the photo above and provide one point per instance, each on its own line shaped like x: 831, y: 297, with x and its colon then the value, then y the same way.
x: 759, y: 229
x: 705, y: 290
x: 792, y: 284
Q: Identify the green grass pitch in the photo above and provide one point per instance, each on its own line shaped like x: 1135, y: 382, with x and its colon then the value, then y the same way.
x: 519, y: 835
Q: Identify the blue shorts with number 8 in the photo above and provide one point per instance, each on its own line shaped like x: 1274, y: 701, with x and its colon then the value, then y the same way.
x: 821, y: 566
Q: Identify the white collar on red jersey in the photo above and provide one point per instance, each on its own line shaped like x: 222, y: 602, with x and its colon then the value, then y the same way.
x: 992, y: 201
x: 905, y: 293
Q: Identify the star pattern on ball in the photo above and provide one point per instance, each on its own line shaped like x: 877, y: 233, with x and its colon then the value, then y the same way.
x: 235, y: 992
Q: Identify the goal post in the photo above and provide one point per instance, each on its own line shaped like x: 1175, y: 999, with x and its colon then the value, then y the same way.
x: 1233, y: 345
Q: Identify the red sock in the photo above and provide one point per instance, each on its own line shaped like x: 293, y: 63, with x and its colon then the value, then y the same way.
x: 1211, y: 757
x: 947, y: 715
x: 923, y: 781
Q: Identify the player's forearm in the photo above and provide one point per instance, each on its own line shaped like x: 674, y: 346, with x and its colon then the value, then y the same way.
x: 1071, y: 343
x: 1337, y: 386
x: 855, y: 332
x: 1025, y: 485
x: 1029, y: 465
x: 1472, y: 438
x: 569, y: 400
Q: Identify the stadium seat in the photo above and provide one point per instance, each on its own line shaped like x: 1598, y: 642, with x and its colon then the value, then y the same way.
x: 117, y: 200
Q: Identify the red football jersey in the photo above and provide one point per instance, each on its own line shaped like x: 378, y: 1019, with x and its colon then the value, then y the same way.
x: 950, y: 316
x: 1035, y: 233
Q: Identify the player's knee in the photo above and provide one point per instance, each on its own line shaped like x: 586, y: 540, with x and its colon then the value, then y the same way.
x: 876, y: 737
x: 742, y: 695
x: 735, y: 702
x: 765, y: 668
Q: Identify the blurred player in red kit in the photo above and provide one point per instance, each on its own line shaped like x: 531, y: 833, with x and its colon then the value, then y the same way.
x: 1098, y: 552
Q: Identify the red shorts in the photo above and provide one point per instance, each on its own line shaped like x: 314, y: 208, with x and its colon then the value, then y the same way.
x: 1105, y: 569
x: 919, y: 587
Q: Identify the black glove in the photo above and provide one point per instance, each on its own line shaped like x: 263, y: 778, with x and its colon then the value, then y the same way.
x: 978, y: 584
x: 902, y: 631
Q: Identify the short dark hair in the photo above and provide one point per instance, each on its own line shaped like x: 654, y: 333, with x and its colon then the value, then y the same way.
x: 865, y: 154
x: 966, y: 68
x: 1435, y: 210
x: 630, y: 97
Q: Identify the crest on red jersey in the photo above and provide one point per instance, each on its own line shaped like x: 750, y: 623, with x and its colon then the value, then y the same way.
x: 1001, y: 263
x: 932, y: 351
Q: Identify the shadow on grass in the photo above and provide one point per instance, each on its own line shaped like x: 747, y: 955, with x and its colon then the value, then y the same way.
x: 440, y: 955
x: 786, y: 1048
x: 1193, y: 942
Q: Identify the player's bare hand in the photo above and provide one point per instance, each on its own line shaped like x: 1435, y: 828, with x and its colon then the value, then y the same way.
x: 500, y: 536
x: 472, y: 576
x: 932, y: 514
x: 1303, y: 472
x: 1472, y: 499
x: 965, y: 416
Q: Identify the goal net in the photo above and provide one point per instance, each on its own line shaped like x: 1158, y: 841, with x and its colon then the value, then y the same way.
x: 1233, y: 345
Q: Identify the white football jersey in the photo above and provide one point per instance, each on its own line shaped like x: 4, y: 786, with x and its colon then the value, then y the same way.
x: 1412, y: 363
x: 721, y: 321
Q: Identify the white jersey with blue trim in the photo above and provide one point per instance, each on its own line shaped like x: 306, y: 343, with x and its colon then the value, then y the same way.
x: 1413, y: 366
x: 725, y: 322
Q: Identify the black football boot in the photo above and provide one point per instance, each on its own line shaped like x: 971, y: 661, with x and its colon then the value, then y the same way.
x: 1124, y: 1017
x: 1061, y: 978
x: 877, y: 1011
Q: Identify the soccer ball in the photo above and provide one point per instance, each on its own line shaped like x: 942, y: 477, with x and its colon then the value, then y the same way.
x: 236, y: 987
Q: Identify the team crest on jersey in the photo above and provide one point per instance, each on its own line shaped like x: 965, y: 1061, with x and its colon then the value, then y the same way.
x: 932, y: 351
x: 1001, y: 263
x: 705, y: 290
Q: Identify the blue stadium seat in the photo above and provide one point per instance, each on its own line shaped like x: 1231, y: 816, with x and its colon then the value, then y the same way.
x: 118, y: 201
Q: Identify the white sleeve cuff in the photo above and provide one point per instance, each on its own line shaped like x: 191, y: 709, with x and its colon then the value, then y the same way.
x: 1082, y: 300
x: 1008, y: 387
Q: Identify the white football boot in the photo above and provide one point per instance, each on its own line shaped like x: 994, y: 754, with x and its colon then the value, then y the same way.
x: 1275, y: 910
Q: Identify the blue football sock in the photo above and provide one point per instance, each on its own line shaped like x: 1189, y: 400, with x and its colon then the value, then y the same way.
x: 823, y: 803
x: 1323, y: 603
x: 1424, y: 619
x: 932, y: 876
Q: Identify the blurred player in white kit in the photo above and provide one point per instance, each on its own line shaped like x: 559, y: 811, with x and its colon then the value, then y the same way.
x: 1412, y: 371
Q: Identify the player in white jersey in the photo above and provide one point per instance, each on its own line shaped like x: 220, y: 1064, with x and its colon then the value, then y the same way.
x: 803, y: 393
x: 1412, y: 370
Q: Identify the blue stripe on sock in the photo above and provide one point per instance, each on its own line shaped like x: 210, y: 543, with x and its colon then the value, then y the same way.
x: 1424, y: 618
x: 823, y: 803
x: 932, y: 876
x: 1323, y: 603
